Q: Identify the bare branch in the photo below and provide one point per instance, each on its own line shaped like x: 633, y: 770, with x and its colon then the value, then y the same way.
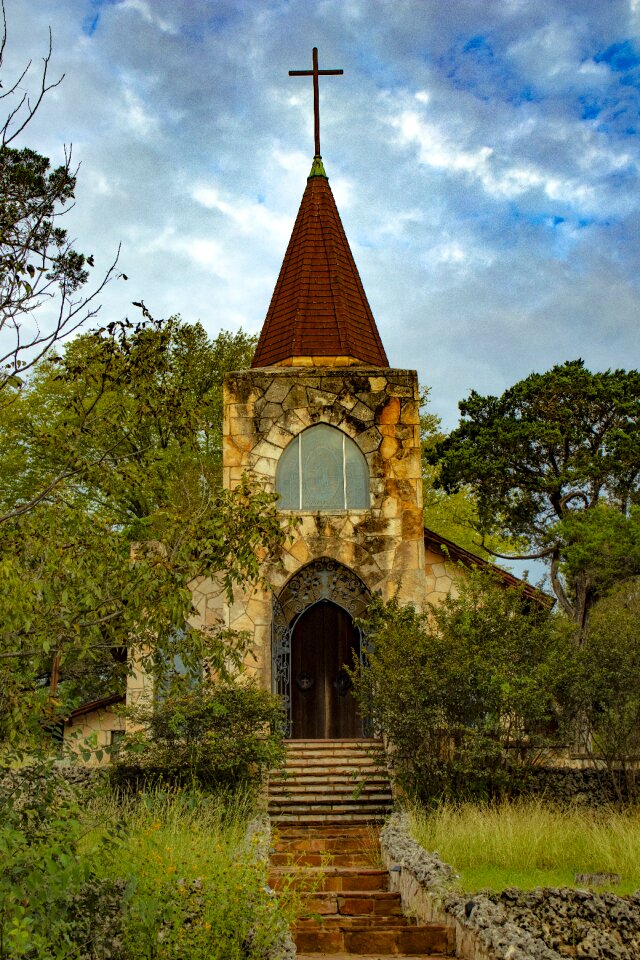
x: 71, y: 316
x: 32, y: 109
x: 574, y: 495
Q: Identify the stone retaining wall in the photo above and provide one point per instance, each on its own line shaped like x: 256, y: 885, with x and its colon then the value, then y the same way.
x: 570, y: 785
x: 542, y: 924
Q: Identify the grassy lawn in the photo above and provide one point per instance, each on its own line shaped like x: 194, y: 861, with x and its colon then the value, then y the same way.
x: 529, y: 844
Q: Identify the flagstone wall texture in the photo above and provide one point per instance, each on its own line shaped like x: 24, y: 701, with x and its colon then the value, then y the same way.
x: 264, y: 409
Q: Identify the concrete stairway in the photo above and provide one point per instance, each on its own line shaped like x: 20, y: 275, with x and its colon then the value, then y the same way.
x: 329, y: 781
x: 349, y: 911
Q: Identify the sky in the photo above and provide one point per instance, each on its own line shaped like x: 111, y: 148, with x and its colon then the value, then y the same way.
x: 484, y: 156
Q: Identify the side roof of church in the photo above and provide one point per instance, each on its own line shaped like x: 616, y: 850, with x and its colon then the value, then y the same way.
x: 319, y: 308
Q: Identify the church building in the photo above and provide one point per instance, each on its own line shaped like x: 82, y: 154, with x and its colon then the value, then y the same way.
x: 326, y: 422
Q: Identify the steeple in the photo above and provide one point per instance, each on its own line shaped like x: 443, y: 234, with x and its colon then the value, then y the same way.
x: 319, y: 313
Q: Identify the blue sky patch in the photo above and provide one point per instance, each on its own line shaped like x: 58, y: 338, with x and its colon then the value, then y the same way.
x: 90, y: 24
x: 480, y: 47
x: 621, y: 57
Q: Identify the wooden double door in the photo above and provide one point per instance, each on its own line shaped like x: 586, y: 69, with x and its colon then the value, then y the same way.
x: 323, y: 642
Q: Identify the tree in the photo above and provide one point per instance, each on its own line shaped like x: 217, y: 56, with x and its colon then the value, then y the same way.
x: 140, y: 410
x: 452, y: 515
x: 610, y: 672
x: 42, y: 276
x: 469, y: 694
x: 129, y: 415
x: 542, y: 458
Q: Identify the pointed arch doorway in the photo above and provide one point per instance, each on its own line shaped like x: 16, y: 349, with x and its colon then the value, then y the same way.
x: 314, y: 638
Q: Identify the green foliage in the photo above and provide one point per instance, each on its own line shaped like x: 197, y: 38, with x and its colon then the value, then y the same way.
x: 128, y: 418
x: 53, y: 903
x: 553, y: 444
x: 610, y: 661
x: 453, y: 515
x: 600, y: 547
x: 469, y: 693
x: 196, y: 887
x: 124, y: 433
x: 31, y: 245
x: 531, y: 843
x: 69, y: 587
x: 165, y: 876
x: 212, y: 733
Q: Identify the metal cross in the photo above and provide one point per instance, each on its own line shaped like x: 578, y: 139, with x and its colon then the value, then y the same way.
x: 315, y: 73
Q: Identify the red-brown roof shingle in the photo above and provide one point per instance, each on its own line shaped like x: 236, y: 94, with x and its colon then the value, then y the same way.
x: 319, y: 307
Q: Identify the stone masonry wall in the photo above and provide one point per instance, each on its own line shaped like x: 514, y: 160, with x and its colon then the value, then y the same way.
x: 264, y: 409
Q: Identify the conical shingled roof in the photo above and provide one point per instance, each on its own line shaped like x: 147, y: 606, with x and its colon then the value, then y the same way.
x: 319, y: 307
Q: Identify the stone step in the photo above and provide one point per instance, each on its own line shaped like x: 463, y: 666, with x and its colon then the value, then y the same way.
x: 327, y: 831
x: 357, y: 766
x: 300, y: 754
x: 357, y: 922
x: 369, y: 818
x: 378, y: 903
x: 329, y: 756
x: 301, y: 859
x: 374, y: 938
x: 324, y: 813
x: 329, y: 796
x: 318, y: 775
x: 348, y: 770
x: 362, y: 743
x: 330, y: 878
x: 332, y: 843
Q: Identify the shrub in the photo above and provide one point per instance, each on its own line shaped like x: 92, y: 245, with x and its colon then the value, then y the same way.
x: 215, y: 734
x: 53, y: 904
x: 611, y: 683
x: 196, y: 888
x: 469, y: 694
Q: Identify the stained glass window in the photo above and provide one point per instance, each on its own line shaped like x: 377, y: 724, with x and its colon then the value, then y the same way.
x: 323, y: 469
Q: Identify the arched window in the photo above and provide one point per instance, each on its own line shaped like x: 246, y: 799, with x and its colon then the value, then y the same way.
x: 323, y: 469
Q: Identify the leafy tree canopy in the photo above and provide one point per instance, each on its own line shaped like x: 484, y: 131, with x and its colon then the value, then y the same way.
x: 101, y: 563
x: 452, y: 515
x: 123, y: 417
x: 552, y: 446
x: 469, y: 693
x: 611, y: 684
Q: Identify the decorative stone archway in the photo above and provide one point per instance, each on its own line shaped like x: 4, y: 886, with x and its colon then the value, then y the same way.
x: 322, y: 579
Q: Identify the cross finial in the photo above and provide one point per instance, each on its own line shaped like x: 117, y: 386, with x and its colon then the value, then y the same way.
x: 315, y: 73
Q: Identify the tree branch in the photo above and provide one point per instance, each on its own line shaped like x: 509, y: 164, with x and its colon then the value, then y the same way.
x: 558, y: 588
x: 524, y: 556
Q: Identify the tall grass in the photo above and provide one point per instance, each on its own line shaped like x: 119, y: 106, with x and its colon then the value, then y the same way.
x: 194, y: 888
x: 530, y: 843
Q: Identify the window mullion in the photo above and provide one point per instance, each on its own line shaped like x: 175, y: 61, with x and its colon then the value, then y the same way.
x: 344, y: 471
x: 299, y: 471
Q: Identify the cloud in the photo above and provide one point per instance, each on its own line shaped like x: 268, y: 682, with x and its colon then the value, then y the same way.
x: 485, y: 164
